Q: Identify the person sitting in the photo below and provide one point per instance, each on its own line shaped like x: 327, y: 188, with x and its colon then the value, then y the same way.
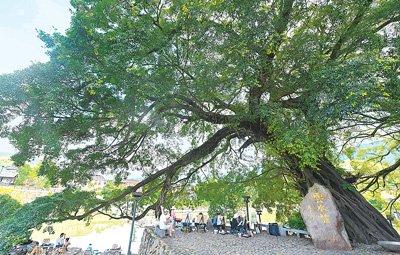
x: 219, y: 222
x: 241, y: 226
x: 60, y: 241
x: 193, y: 224
x: 66, y: 244
x: 223, y: 225
x: 37, y: 250
x: 196, y: 221
x: 201, y: 223
x: 89, y: 250
x: 165, y: 224
x: 186, y: 223
x: 214, y: 224
x: 245, y: 231
x: 234, y: 225
x: 172, y: 217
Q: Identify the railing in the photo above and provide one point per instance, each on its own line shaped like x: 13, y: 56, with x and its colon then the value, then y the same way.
x: 286, y: 231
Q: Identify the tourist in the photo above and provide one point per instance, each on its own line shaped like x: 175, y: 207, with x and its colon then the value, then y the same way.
x: 172, y: 216
x: 89, y: 250
x: 165, y: 223
x: 234, y: 224
x: 186, y: 223
x: 218, y: 222
x: 66, y: 244
x: 197, y: 220
x: 223, y: 224
x: 172, y: 213
x: 201, y: 223
x: 37, y: 250
x: 241, y: 225
x: 193, y: 224
x: 214, y: 224
x: 162, y: 220
x: 60, y: 241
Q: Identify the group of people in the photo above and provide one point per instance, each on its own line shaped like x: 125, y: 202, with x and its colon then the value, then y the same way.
x: 168, y: 221
x: 219, y: 224
x: 197, y: 223
x: 61, y: 246
x: 63, y: 242
x: 238, y: 224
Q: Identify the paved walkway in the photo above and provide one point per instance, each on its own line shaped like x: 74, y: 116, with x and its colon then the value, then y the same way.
x: 210, y: 244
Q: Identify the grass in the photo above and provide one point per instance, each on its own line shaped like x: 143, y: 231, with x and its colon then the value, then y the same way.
x: 98, y: 224
x: 23, y: 194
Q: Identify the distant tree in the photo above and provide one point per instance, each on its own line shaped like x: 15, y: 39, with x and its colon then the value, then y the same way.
x: 17, y: 225
x: 28, y: 175
x: 8, y: 206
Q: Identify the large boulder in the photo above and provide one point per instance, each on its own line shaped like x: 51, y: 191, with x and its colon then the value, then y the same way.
x: 323, y: 220
x: 151, y: 244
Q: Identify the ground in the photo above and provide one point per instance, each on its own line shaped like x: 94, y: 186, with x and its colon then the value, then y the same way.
x: 210, y: 244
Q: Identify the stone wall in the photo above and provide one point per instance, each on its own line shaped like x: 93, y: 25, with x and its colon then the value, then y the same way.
x: 151, y: 244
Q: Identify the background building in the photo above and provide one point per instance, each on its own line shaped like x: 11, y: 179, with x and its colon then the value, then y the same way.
x: 8, y: 175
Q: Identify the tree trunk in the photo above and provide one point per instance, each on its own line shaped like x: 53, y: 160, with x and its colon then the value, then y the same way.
x: 364, y: 223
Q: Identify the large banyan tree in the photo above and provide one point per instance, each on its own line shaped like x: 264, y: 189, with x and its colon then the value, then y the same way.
x: 172, y: 87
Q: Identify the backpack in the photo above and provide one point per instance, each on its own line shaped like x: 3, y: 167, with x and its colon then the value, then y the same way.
x: 273, y: 229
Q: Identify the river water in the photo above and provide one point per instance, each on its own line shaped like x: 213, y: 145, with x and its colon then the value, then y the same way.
x: 116, y: 235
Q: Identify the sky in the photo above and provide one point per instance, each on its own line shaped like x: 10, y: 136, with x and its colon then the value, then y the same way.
x: 19, y: 44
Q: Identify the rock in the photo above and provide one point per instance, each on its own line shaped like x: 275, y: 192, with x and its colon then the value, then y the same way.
x: 323, y: 220
x: 151, y: 244
x: 21, y: 249
x: 390, y: 246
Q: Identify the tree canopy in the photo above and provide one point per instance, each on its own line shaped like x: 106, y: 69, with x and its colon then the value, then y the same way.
x: 179, y: 90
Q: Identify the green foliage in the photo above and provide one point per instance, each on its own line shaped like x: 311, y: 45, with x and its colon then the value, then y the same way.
x: 8, y: 206
x: 18, y: 226
x: 223, y: 195
x: 369, y: 159
x: 29, y: 176
x: 273, y: 191
x: 184, y: 198
x: 265, y: 186
x: 377, y: 203
x: 296, y: 221
x: 348, y: 186
x: 142, y: 84
x: 130, y: 71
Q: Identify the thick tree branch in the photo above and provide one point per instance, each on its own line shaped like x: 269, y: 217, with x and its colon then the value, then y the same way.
x: 206, y: 148
x: 373, y: 179
x: 281, y: 22
x: 335, y: 51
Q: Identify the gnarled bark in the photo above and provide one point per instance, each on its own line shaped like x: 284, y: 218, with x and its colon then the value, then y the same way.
x: 364, y: 223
